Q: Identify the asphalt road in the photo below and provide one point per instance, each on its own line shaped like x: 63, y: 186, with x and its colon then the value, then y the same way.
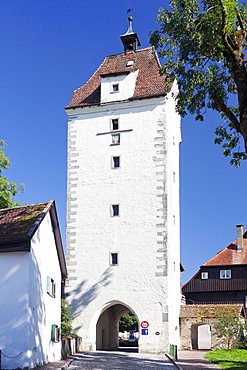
x: 103, y: 360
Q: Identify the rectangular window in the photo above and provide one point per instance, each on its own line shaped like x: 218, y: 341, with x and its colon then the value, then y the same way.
x: 225, y: 274
x: 55, y: 333
x: 115, y: 210
x: 115, y: 162
x: 115, y: 87
x: 114, y: 258
x: 51, y: 287
x: 204, y: 275
x: 115, y: 139
x: 114, y: 124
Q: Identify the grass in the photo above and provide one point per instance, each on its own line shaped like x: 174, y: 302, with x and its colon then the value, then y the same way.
x: 232, y: 359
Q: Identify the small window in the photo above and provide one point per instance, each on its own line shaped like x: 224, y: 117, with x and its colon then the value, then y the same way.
x: 116, y: 139
x: 55, y: 333
x: 115, y: 210
x: 114, y: 258
x: 114, y: 124
x: 115, y: 87
x: 51, y: 287
x: 225, y: 274
x: 204, y: 275
x: 115, y: 162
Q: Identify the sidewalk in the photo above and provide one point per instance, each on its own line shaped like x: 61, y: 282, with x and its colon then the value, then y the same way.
x: 193, y: 360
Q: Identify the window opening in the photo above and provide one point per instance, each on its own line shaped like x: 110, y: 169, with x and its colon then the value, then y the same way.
x: 204, y: 275
x: 115, y: 87
x: 115, y: 210
x: 116, y: 162
x: 115, y: 139
x: 225, y: 274
x: 114, y: 124
x: 114, y: 258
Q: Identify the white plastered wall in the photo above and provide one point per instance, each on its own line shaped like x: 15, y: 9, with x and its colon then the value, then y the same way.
x: 27, y: 311
x: 145, y: 240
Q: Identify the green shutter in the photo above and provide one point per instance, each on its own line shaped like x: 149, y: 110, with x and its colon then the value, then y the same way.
x: 53, y: 332
x: 48, y: 285
x: 54, y: 290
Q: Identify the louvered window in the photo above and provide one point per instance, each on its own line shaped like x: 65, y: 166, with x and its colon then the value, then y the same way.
x: 51, y: 287
x: 55, y: 333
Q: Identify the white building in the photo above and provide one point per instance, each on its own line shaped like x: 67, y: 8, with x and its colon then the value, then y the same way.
x: 123, y: 241
x: 32, y: 267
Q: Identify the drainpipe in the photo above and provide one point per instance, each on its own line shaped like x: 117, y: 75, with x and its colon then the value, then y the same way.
x: 240, y: 237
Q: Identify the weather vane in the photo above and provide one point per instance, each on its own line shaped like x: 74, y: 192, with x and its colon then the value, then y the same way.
x: 129, y: 10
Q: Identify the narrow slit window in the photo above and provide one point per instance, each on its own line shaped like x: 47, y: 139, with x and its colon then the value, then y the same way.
x: 115, y: 162
x: 115, y: 210
x: 115, y: 124
x: 114, y: 258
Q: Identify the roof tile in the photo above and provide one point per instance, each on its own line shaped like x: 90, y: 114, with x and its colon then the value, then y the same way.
x: 149, y: 81
x: 17, y: 222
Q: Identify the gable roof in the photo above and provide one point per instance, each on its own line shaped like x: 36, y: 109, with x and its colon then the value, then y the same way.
x: 229, y: 256
x: 18, y: 225
x: 149, y: 81
x: 211, y: 310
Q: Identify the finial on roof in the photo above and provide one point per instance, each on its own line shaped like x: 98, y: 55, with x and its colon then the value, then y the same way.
x: 130, y: 39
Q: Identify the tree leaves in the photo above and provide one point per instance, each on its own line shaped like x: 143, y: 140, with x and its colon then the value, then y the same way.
x: 8, y: 189
x: 203, y: 43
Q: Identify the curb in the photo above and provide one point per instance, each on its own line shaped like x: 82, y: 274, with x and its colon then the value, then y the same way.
x: 173, y: 361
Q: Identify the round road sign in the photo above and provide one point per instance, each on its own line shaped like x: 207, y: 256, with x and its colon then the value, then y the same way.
x: 144, y: 324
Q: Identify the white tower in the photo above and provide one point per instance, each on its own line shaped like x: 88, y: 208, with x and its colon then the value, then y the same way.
x: 123, y: 241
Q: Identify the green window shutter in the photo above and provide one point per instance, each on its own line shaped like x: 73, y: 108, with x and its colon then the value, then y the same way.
x: 53, y: 332
x: 54, y: 290
x: 48, y: 285
x: 59, y: 335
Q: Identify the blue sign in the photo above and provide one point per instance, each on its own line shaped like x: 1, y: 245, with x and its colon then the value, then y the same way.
x: 144, y: 331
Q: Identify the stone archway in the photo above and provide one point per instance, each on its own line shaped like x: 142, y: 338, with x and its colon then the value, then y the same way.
x: 107, y: 326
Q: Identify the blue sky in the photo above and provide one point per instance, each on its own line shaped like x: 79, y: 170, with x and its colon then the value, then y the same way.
x: 48, y: 49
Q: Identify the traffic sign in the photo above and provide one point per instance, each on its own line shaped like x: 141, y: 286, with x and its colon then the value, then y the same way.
x: 144, y: 331
x: 144, y: 324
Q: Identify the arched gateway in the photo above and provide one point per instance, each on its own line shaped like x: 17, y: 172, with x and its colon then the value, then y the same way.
x: 123, y: 201
x: 107, y: 326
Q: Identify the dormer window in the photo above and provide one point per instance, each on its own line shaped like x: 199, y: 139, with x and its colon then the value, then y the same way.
x: 115, y: 88
x: 204, y: 275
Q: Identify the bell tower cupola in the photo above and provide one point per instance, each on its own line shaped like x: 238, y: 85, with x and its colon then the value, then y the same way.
x: 130, y: 39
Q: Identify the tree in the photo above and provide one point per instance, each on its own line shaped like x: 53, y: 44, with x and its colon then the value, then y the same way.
x: 230, y: 329
x: 8, y: 189
x: 204, y: 43
x: 128, y: 322
x: 66, y: 320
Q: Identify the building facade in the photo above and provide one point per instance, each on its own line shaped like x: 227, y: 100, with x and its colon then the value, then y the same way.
x: 123, y: 241
x: 222, y: 279
x: 32, y: 268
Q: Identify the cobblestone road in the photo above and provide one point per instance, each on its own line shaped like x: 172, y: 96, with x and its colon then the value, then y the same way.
x: 101, y: 360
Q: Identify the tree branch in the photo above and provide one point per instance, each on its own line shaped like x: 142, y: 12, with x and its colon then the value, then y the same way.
x: 227, y: 111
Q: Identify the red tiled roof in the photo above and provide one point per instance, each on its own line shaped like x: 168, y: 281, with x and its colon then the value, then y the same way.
x: 19, y: 223
x: 230, y: 256
x: 210, y: 310
x: 149, y: 81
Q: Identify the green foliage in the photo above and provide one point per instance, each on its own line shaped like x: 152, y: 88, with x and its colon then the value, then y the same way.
x: 8, y: 189
x: 228, y: 358
x: 204, y: 44
x: 66, y: 320
x: 230, y: 329
x: 128, y: 322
